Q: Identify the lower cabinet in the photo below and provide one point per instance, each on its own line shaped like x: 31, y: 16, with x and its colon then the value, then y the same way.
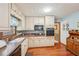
x: 24, y: 47
x: 40, y: 42
x: 33, y: 42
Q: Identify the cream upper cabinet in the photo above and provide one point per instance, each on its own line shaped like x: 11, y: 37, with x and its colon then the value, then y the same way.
x: 15, y: 11
x: 4, y: 16
x: 41, y: 20
x: 29, y: 23
x: 49, y: 21
x: 36, y: 20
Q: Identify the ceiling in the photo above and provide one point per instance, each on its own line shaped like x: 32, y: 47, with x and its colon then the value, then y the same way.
x: 57, y: 9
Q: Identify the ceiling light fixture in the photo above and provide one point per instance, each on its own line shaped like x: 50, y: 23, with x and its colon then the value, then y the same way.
x: 47, y: 10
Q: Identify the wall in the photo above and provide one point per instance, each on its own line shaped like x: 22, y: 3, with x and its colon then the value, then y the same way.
x: 72, y: 21
x: 4, y: 17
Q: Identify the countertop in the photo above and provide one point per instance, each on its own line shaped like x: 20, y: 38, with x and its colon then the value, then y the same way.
x: 11, y: 46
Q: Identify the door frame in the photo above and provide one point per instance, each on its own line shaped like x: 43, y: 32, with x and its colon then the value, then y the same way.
x: 59, y: 31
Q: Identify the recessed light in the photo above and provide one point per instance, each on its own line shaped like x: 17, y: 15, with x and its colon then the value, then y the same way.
x: 47, y: 10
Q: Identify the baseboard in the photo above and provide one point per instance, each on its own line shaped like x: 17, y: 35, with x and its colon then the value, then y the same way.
x: 39, y: 47
x: 63, y: 44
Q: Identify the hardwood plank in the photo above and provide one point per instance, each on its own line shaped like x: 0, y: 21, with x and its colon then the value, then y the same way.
x: 57, y: 50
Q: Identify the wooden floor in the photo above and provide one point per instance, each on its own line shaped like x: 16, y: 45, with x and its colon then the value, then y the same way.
x: 57, y: 50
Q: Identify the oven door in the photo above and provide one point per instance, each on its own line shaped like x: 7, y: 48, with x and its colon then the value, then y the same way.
x: 50, y: 32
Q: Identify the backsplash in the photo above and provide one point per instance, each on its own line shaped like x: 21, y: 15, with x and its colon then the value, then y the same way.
x: 7, y: 33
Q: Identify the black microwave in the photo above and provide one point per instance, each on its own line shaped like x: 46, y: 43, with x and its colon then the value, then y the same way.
x: 38, y: 27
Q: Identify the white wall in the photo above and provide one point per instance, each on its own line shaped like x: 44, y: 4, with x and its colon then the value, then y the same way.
x: 72, y: 21
x: 4, y: 17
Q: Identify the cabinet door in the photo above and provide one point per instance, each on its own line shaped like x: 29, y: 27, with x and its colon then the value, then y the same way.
x: 29, y: 23
x: 36, y: 20
x: 4, y: 16
x: 36, y: 42
x: 42, y: 42
x: 31, y: 43
x: 23, y: 50
x: 41, y: 20
x: 49, y: 21
x: 24, y: 47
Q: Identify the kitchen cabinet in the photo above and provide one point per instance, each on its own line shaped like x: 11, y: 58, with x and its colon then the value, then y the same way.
x: 35, y: 43
x: 15, y: 11
x: 49, y: 21
x: 41, y: 20
x: 24, y: 47
x: 41, y: 42
x: 31, y: 43
x: 29, y: 23
x: 34, y: 20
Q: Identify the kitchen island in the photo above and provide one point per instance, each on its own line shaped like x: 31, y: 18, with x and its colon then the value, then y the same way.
x: 11, y: 46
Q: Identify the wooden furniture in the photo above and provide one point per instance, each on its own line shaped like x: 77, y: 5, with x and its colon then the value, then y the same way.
x: 73, y: 42
x: 1, y: 34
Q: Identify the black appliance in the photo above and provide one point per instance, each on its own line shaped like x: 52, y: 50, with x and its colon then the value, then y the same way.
x: 38, y: 28
x: 50, y: 31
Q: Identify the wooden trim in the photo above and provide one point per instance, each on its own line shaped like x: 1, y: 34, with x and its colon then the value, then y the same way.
x: 59, y: 31
x: 63, y: 44
x: 43, y: 46
x: 39, y: 47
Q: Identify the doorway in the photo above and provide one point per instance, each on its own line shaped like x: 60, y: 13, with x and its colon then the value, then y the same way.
x: 57, y: 32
